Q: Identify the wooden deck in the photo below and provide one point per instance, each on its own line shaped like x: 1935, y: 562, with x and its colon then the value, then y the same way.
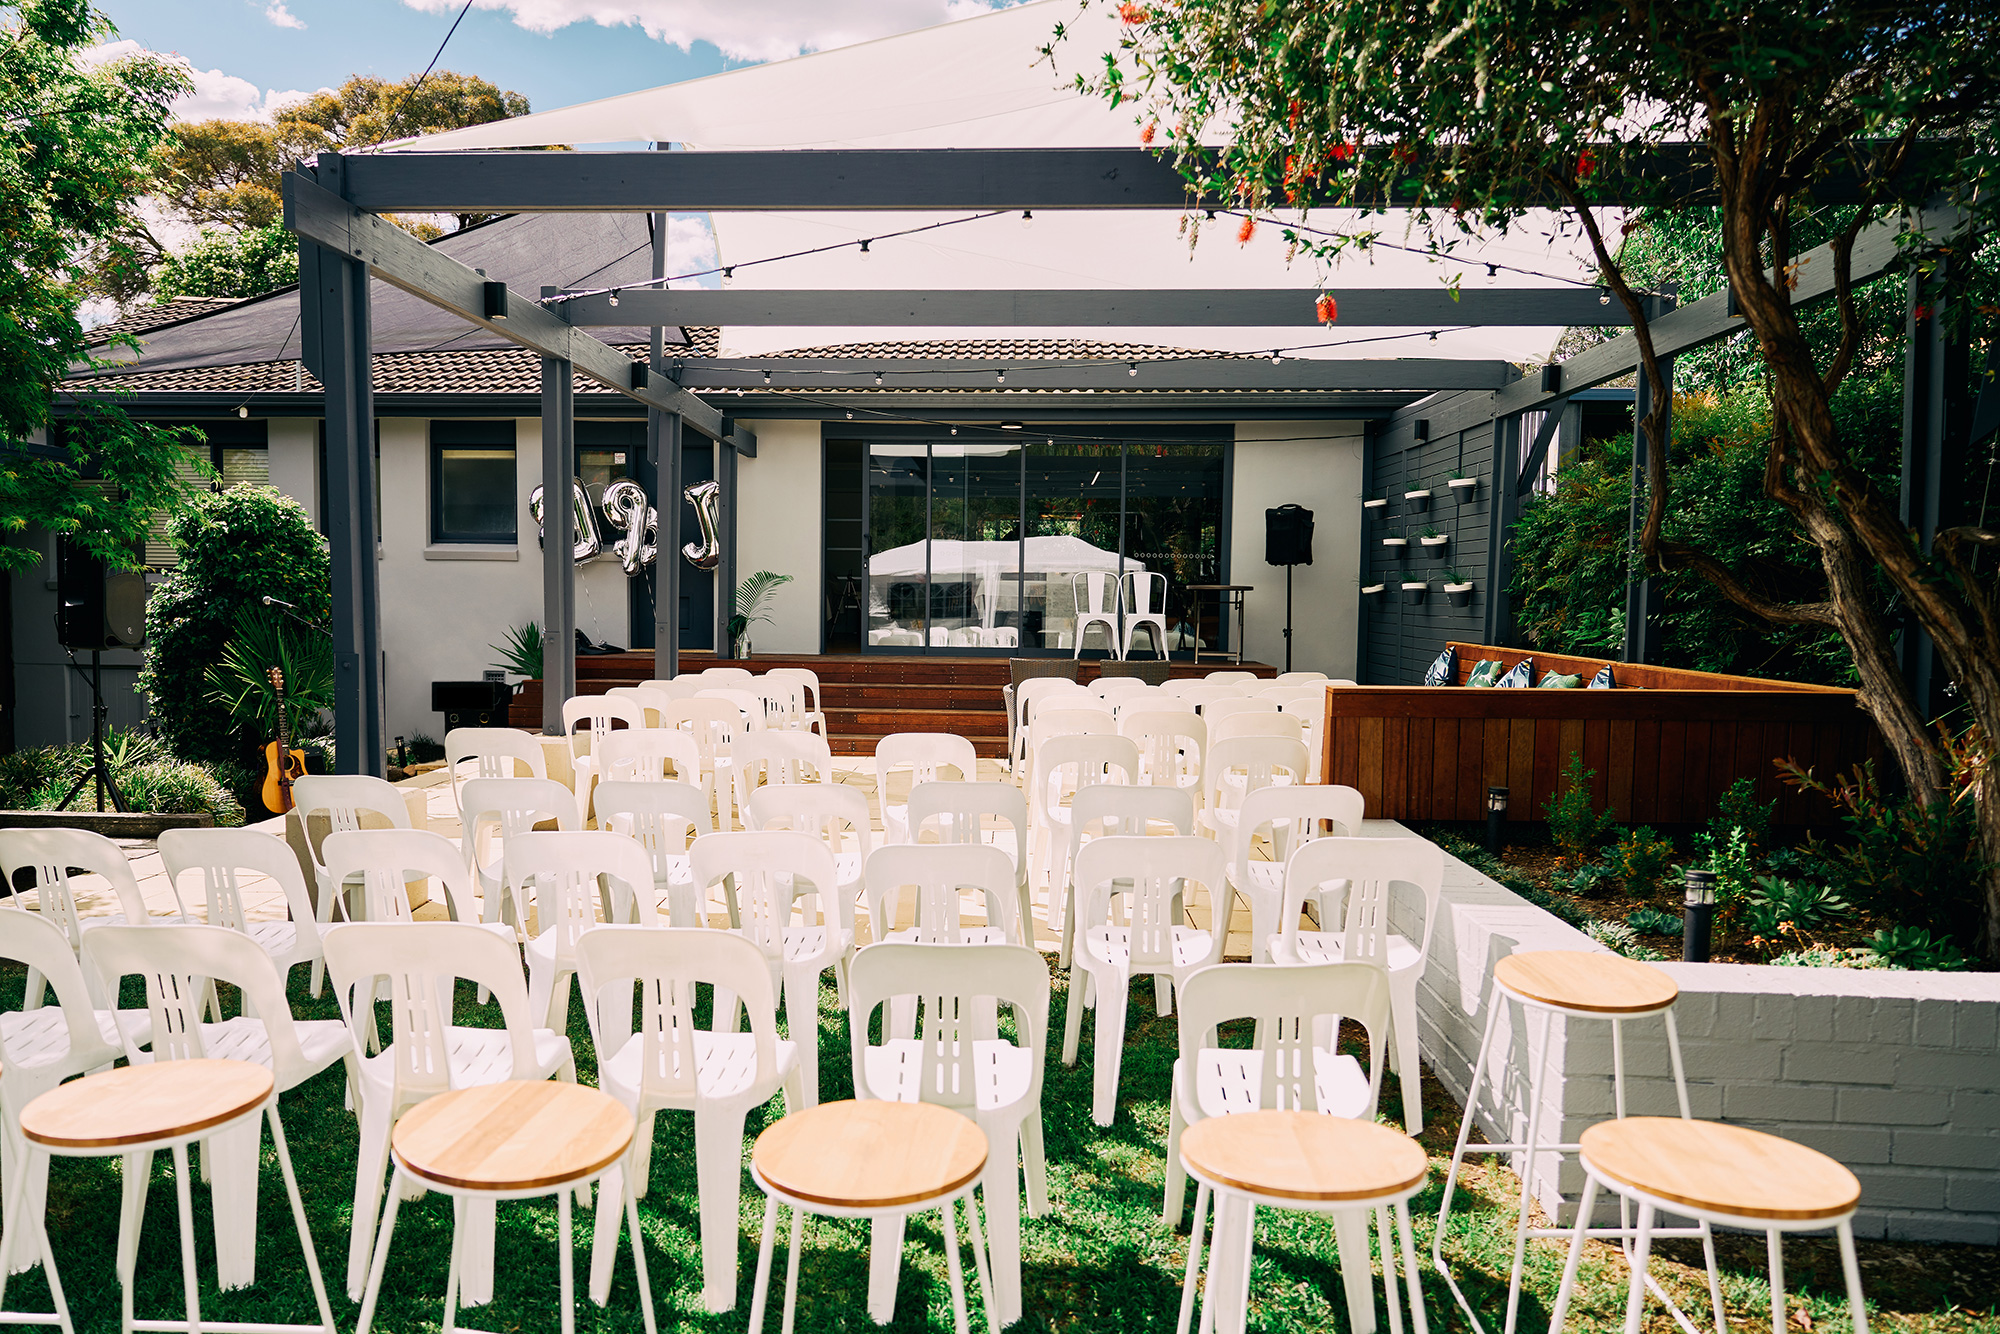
x: 865, y: 696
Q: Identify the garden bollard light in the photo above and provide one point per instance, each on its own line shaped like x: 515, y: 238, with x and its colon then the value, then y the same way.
x: 1496, y: 816
x: 1699, y: 917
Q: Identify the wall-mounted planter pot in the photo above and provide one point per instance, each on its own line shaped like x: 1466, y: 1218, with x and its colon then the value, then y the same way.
x: 1416, y: 502
x: 1459, y: 595
x: 1396, y: 548
x: 1434, y: 547
x: 1413, y: 593
x: 1375, y: 509
x: 1462, y: 488
x: 1375, y: 594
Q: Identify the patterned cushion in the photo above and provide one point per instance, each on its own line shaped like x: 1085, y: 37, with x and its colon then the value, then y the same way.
x: 1603, y: 680
x: 1443, y: 670
x: 1484, y: 672
x: 1557, y: 681
x: 1519, y: 677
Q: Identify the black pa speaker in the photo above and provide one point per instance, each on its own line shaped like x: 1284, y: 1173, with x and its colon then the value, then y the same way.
x: 1288, y: 535
x: 96, y: 608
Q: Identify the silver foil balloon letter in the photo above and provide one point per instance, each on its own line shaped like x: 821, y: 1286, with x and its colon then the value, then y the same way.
x: 625, y: 508
x: 588, y: 542
x: 705, y: 497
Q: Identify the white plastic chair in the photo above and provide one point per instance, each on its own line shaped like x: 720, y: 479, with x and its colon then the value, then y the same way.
x: 814, y: 717
x: 649, y: 704
x: 566, y: 872
x: 494, y: 752
x: 1091, y: 719
x: 779, y: 757
x: 680, y: 687
x: 749, y: 704
x: 1291, y: 814
x: 1171, y: 745
x: 1142, y: 699
x: 50, y: 855
x: 596, y: 713
x: 772, y: 868
x: 1064, y: 766
x: 642, y: 754
x: 1217, y: 678
x: 345, y: 800
x: 222, y: 856
x: 1027, y: 696
x: 1258, y: 723
x: 421, y: 961
x: 508, y: 807
x: 669, y: 1064
x: 1096, y: 595
x: 715, y: 724
x: 1145, y: 596
x: 665, y: 818
x: 1233, y: 769
x: 832, y: 813
x: 1300, y: 678
x: 958, y: 1059
x: 380, y: 862
x: 1151, y: 873
x: 40, y: 1047
x: 1370, y: 867
x: 958, y: 812
x: 1292, y: 1064
x: 1284, y: 694
x: 1311, y: 714
x: 1109, y: 687
x: 924, y: 754
x: 726, y: 677
x: 941, y: 873
x: 1107, y: 810
x: 1214, y: 711
x: 1201, y: 694
x: 181, y: 967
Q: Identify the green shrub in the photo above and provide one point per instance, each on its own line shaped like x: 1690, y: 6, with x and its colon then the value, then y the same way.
x: 1621, y: 939
x: 1738, y: 808
x: 1798, y: 904
x: 1654, y: 922
x: 174, y: 787
x: 1642, y: 859
x: 236, y: 547
x: 1735, y: 870
x: 1821, y: 956
x: 425, y: 748
x: 521, y: 651
x: 1914, y: 948
x: 1575, y: 824
x: 1589, y: 879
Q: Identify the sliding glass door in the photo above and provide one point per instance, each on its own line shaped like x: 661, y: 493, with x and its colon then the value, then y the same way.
x: 991, y: 542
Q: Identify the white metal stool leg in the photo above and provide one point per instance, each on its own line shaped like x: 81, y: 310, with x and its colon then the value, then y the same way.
x: 18, y: 1196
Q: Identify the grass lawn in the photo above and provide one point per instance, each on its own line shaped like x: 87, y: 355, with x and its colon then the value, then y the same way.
x: 1101, y: 1259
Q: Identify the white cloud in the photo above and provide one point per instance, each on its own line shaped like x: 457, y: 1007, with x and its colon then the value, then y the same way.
x: 691, y: 248
x: 771, y: 30
x: 216, y: 96
x: 282, y: 17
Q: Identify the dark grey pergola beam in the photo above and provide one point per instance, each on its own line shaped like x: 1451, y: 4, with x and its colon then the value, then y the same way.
x: 1035, y: 379
x: 401, y: 260
x: 1385, y: 307
x: 1691, y: 326
x: 536, y: 181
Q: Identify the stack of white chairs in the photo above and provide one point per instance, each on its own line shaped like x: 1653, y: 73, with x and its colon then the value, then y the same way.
x: 926, y: 755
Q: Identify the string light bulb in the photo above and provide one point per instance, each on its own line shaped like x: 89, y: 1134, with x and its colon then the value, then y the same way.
x: 1492, y: 274
x: 864, y: 250
x: 878, y: 377
x: 729, y: 275
x: 767, y: 377
x: 1131, y: 368
x: 1603, y: 296
x: 1277, y: 355
x: 1027, y: 218
x: 954, y: 430
x: 1434, y: 335
x: 242, y: 409
x: 614, y: 300
x: 1000, y: 376
x: 850, y: 414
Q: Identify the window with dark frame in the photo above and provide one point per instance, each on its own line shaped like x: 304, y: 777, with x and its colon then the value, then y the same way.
x: 474, y: 490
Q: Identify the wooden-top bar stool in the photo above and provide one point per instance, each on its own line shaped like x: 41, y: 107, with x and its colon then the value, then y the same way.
x: 1298, y: 1160
x: 1577, y: 985
x: 134, y: 1112
x: 871, y: 1159
x: 1716, y: 1173
x: 513, y: 1140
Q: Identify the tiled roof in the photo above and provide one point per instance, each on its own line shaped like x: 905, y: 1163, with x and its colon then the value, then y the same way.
x: 140, y: 319
x: 1003, y: 349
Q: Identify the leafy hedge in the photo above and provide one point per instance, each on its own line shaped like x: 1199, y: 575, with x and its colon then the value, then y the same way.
x: 236, y: 547
x: 149, y: 778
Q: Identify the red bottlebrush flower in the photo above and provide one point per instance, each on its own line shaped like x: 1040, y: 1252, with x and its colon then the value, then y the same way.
x: 1146, y: 135
x: 1404, y: 154
x: 1342, y: 152
x: 1920, y: 313
x: 1292, y: 117
x: 1326, y: 308
x: 1130, y: 14
x: 1586, y: 162
x: 1246, y: 231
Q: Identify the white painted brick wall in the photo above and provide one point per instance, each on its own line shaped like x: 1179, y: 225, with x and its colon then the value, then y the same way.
x: 1896, y: 1075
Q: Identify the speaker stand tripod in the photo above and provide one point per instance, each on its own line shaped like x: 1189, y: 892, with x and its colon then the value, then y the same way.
x: 99, y: 770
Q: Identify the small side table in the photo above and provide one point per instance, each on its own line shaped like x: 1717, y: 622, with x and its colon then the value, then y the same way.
x: 1226, y: 595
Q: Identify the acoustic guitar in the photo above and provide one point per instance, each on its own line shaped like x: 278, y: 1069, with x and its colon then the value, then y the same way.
x: 281, y: 763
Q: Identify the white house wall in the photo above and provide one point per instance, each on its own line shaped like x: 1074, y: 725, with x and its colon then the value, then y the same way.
x: 1317, y: 465
x: 294, y: 461
x: 779, y: 528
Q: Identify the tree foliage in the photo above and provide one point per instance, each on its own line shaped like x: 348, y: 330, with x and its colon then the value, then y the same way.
x: 1474, y: 114
x: 230, y: 263
x: 81, y: 144
x: 236, y: 548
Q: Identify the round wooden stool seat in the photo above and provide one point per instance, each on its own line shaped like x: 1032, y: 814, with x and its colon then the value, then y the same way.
x: 138, y: 1104
x: 1720, y: 1169
x: 1303, y: 1156
x: 872, y: 1154
x: 519, y: 1135
x: 1600, y: 982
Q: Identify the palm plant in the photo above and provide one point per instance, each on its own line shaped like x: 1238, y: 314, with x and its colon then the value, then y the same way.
x: 521, y: 652
x: 241, y: 682
x: 752, y: 595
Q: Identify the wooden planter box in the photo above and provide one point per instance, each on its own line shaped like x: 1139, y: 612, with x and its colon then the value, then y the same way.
x: 1665, y: 743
